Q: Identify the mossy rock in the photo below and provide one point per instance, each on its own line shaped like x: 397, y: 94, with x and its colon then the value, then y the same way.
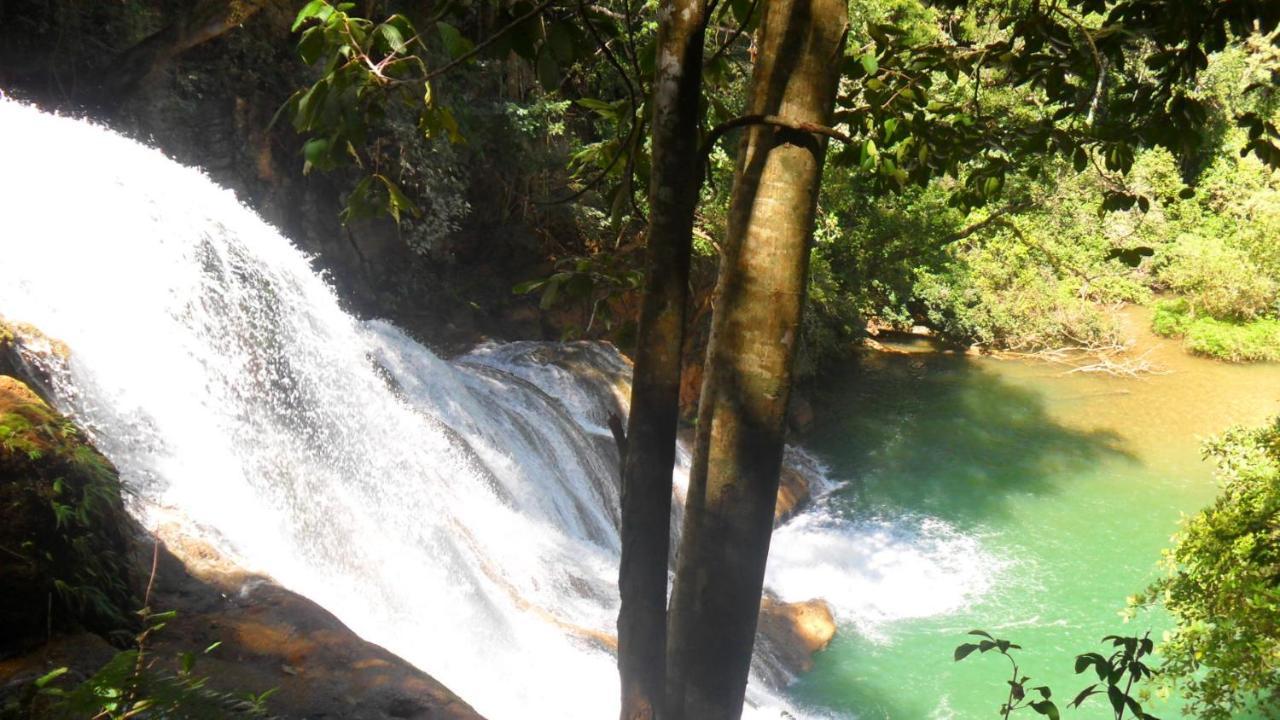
x: 64, y: 533
x: 19, y: 338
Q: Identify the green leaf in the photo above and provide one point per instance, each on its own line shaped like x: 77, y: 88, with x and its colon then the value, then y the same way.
x: 1084, y: 694
x: 318, y: 9
x: 311, y: 44
x: 50, y: 676
x: 964, y: 651
x: 1047, y: 708
x: 528, y: 286
x: 869, y: 63
x: 550, y: 293
x: 392, y: 35
x: 1116, y: 697
x: 398, y: 201
x: 454, y: 43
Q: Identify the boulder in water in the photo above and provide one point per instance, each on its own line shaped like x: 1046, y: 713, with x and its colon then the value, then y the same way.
x: 795, y: 632
x: 793, y: 493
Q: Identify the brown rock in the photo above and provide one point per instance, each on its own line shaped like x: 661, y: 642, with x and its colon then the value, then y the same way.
x: 274, y: 638
x: 793, y: 493
x: 795, y: 631
x: 268, y: 638
x: 19, y: 339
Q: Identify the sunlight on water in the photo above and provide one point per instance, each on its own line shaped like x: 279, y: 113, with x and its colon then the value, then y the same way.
x: 462, y: 513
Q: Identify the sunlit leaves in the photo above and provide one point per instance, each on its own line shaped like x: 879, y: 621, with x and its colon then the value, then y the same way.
x: 1220, y: 586
x: 1073, y: 62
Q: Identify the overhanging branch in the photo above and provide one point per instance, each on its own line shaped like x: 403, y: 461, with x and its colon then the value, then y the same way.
x: 776, y: 121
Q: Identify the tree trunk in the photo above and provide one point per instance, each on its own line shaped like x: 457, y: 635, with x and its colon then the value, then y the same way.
x: 759, y: 298
x: 655, y: 390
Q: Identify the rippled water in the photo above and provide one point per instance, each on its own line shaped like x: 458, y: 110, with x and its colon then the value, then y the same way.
x: 1067, y: 485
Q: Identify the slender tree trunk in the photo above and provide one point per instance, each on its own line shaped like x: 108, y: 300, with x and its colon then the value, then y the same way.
x: 655, y: 390
x: 759, y: 298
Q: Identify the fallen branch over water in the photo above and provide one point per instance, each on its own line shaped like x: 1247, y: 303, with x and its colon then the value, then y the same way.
x: 1117, y: 360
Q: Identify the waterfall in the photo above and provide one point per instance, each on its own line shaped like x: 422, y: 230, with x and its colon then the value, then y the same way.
x: 463, y: 513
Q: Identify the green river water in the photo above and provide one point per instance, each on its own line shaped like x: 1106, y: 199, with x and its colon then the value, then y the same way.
x: 1070, y: 484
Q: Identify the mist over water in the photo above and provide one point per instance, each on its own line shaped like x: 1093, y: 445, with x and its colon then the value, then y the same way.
x: 462, y: 513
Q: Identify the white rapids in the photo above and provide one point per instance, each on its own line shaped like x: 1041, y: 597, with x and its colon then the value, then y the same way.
x: 462, y: 513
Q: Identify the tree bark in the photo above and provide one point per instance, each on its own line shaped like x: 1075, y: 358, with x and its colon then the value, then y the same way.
x: 759, y: 299
x: 655, y: 390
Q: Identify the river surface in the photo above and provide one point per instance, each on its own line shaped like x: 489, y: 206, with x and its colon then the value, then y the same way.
x: 1069, y: 484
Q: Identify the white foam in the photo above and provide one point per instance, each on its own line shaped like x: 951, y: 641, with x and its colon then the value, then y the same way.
x: 462, y: 514
x: 877, y: 570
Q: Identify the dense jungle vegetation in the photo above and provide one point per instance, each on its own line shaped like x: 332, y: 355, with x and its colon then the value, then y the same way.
x: 1040, y: 264
x: 1003, y: 175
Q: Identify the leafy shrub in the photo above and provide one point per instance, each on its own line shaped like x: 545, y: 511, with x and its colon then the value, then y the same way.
x: 1235, y: 341
x: 1171, y: 318
x: 1217, y: 279
x: 1221, y: 585
x: 1007, y: 294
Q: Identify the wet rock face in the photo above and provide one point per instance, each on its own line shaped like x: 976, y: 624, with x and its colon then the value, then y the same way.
x: 74, y: 565
x: 268, y: 638
x: 63, y: 528
x: 273, y: 638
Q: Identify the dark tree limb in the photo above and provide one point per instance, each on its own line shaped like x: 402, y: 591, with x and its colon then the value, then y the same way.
x: 480, y: 46
x: 199, y: 23
x: 719, y: 131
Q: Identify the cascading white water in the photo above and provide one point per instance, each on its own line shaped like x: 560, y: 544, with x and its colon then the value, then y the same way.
x: 462, y: 514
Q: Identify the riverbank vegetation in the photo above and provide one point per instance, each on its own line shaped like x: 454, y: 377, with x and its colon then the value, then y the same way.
x: 1223, y: 654
x: 1046, y: 267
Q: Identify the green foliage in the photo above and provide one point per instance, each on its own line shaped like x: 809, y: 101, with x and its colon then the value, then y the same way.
x: 136, y: 684
x: 1117, y: 674
x: 1046, y: 266
x: 79, y: 547
x: 593, y: 283
x: 372, y: 70
x: 1232, y: 340
x: 1022, y: 120
x: 1221, y: 585
x: 1217, y: 279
